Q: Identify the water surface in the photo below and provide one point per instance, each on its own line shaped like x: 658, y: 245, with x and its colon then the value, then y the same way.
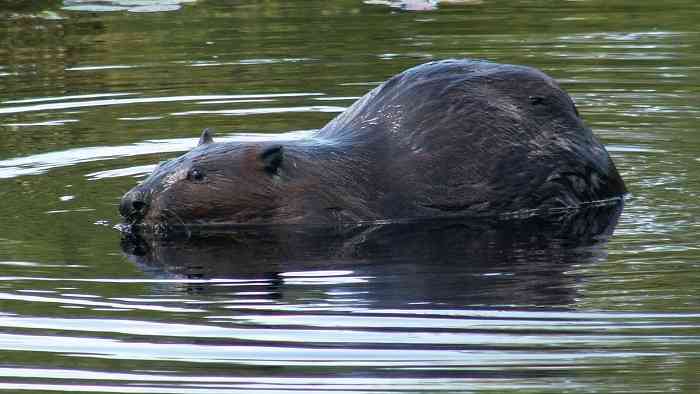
x: 94, y: 94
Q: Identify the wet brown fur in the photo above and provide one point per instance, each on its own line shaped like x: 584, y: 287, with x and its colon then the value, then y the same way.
x: 445, y: 138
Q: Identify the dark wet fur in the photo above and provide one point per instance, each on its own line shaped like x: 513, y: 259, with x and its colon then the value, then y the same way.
x: 447, y: 138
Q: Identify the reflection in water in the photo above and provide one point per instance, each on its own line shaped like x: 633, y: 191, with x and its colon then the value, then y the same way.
x: 435, y: 262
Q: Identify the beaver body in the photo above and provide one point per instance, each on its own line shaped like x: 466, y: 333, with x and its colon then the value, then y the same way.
x: 447, y: 138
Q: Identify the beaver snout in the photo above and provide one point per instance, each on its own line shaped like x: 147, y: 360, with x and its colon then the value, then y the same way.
x: 133, y: 206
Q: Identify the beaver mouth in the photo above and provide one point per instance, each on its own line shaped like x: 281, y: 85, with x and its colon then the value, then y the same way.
x: 134, y: 217
x: 139, y: 217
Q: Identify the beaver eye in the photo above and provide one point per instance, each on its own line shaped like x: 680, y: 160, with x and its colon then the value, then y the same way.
x: 195, y: 174
x: 536, y: 100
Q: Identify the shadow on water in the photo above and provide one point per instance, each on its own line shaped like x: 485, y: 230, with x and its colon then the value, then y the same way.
x: 515, y: 262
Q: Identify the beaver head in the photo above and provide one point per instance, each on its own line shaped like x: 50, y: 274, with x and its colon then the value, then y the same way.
x: 199, y: 184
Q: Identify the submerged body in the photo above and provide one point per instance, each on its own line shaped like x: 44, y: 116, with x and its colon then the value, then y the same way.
x: 446, y: 138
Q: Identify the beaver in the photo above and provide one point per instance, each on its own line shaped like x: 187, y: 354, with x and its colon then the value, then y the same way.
x: 445, y: 138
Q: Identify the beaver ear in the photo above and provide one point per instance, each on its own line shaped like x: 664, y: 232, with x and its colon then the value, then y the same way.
x: 272, y: 157
x: 207, y: 137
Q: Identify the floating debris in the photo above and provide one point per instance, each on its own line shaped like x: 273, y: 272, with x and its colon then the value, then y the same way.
x: 419, y: 5
x: 124, y: 5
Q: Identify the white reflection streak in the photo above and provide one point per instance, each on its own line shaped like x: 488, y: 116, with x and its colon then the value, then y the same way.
x: 316, y: 274
x: 296, y: 356
x: 261, y: 111
x: 60, y: 122
x: 61, y: 98
x: 16, y: 297
x: 100, y: 103
x: 94, y: 68
x: 356, y: 335
x: 121, y: 172
x: 128, y: 280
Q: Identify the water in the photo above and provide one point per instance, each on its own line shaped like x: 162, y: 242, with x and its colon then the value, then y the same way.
x: 91, y: 100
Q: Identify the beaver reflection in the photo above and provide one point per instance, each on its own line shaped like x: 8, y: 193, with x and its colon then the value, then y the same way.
x: 450, y: 262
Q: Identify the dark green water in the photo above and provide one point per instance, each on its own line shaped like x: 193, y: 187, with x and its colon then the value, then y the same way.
x: 90, y: 101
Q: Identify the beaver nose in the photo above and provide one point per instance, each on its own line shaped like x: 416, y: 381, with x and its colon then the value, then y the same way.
x: 133, y: 205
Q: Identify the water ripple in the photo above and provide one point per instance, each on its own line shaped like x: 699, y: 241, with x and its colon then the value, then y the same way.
x: 102, y: 304
x: 142, y: 100
x: 261, y: 111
